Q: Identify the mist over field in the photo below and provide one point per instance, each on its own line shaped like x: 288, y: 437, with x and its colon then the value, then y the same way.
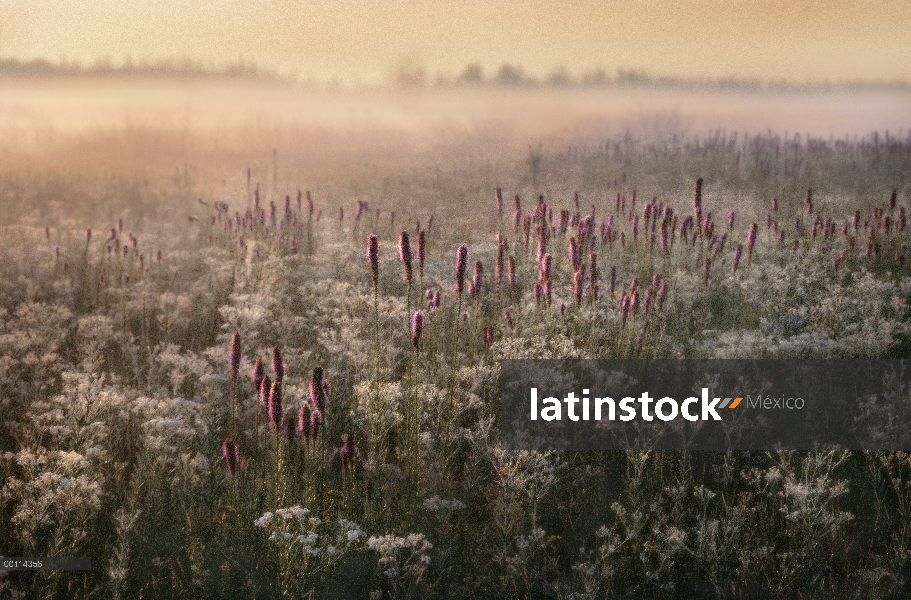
x: 32, y: 107
x: 347, y: 140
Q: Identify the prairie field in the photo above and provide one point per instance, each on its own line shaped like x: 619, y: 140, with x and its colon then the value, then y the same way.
x: 250, y: 336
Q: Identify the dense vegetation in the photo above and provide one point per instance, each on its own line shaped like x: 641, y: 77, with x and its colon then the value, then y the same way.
x: 252, y: 397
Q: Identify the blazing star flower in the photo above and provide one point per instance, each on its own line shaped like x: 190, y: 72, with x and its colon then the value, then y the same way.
x: 373, y: 255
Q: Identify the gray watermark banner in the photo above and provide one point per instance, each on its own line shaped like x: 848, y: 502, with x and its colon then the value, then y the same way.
x: 706, y: 405
x: 45, y: 563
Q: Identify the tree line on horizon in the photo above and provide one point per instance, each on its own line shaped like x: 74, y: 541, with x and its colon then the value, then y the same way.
x: 409, y: 74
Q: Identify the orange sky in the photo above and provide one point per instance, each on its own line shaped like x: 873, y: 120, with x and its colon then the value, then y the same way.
x: 366, y: 39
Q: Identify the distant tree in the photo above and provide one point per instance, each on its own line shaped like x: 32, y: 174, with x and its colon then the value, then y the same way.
x: 409, y: 73
x: 511, y: 75
x: 473, y: 74
x: 560, y: 77
x: 598, y: 77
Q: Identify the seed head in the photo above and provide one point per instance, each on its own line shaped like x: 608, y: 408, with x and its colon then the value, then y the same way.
x: 578, y: 284
x: 422, y: 252
x: 347, y: 452
x: 477, y: 280
x: 417, y: 329
x: 837, y: 261
x: 317, y: 395
x: 316, y: 423
x: 697, y: 198
x: 258, y: 374
x: 373, y: 255
x: 234, y: 356
x: 231, y: 455
x: 278, y: 364
x: 751, y: 241
x: 662, y: 292
x: 499, y: 264
x: 303, y: 421
x: 573, y: 251
x: 545, y: 268
x: 275, y: 405
x: 290, y: 426
x: 460, y: 269
x: 265, y: 386
x: 405, y: 254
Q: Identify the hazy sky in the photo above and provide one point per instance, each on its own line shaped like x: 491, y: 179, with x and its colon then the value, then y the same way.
x: 367, y: 39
